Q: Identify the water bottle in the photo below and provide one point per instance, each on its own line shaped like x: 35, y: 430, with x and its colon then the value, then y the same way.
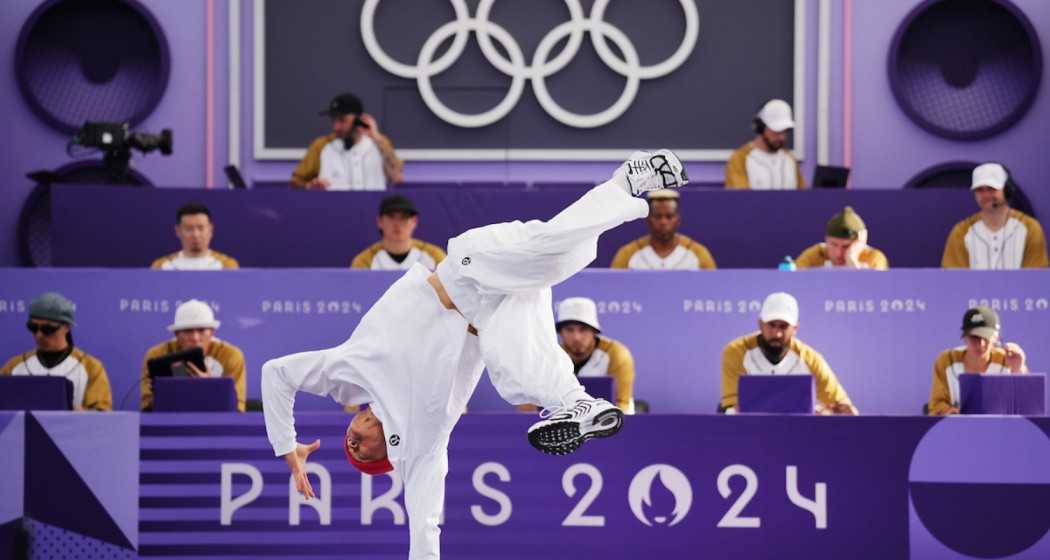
x: 787, y: 264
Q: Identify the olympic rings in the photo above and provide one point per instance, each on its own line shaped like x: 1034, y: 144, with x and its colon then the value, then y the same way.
x: 629, y: 66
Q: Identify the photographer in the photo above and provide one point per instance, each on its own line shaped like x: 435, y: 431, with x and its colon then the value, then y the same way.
x: 355, y: 156
x: 194, y: 327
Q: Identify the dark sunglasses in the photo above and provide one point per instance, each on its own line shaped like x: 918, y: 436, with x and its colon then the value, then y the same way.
x: 48, y: 330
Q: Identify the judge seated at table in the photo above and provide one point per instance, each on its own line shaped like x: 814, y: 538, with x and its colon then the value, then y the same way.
x: 981, y: 353
x: 195, y: 327
x: 774, y: 350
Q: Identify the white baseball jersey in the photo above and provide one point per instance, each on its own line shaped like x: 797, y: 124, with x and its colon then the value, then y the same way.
x: 771, y: 171
x: 358, y: 169
x: 996, y: 250
x: 679, y: 259
x: 383, y: 261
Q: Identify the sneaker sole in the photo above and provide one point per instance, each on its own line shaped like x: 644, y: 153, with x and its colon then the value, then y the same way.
x: 562, y: 438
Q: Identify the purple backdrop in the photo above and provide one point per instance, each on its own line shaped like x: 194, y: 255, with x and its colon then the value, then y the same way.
x: 887, y: 148
x: 879, y: 331
x: 65, y: 499
x: 886, y: 494
x: 279, y: 228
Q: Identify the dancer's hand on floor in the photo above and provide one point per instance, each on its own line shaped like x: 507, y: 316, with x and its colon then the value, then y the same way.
x: 297, y: 463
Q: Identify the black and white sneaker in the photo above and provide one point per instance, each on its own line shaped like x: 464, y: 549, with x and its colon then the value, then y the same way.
x: 651, y: 171
x: 562, y: 430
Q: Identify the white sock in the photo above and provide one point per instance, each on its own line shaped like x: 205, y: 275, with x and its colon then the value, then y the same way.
x: 620, y: 179
x: 577, y: 394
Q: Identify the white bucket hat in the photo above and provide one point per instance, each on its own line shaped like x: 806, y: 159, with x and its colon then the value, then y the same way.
x: 193, y: 314
x: 580, y: 310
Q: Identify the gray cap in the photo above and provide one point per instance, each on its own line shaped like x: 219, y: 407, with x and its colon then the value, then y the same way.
x: 52, y: 306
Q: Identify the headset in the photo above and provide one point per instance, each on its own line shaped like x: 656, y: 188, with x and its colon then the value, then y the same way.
x: 757, y: 125
x: 1010, y: 188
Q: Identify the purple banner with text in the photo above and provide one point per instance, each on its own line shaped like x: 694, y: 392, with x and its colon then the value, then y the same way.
x: 880, y: 332
x: 776, y: 487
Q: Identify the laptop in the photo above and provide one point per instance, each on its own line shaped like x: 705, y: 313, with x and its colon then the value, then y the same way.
x: 233, y: 175
x: 35, y: 392
x: 776, y: 394
x: 830, y: 177
x: 599, y: 387
x: 1002, y: 394
x: 183, y: 394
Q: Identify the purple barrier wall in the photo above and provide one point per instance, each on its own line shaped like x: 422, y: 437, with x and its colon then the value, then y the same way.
x: 278, y: 228
x: 781, y: 487
x: 879, y: 331
x: 70, y: 485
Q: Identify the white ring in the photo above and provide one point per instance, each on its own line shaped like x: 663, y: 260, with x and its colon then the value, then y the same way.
x: 630, y: 90
x: 552, y: 67
x: 692, y: 32
x: 629, y: 67
x: 401, y: 70
x: 426, y: 90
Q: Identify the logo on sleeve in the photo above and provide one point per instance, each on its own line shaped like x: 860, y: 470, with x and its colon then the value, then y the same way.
x: 465, y: 261
x: 395, y: 439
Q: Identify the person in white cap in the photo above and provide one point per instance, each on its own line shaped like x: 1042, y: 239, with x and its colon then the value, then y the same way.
x: 774, y: 350
x: 594, y: 354
x: 764, y: 163
x: 194, y: 327
x: 663, y: 248
x: 998, y: 237
x: 418, y: 353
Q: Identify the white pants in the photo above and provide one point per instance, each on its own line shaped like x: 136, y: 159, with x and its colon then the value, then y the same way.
x: 510, y: 269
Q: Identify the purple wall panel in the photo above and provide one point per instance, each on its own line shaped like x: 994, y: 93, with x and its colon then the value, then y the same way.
x: 12, y: 470
x: 879, y: 331
x: 889, y: 148
x: 181, y: 109
x: 664, y: 502
x: 268, y: 227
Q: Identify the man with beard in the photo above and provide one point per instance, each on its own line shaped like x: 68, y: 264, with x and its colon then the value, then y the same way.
x: 664, y: 248
x: 998, y: 237
x: 764, y: 163
x: 774, y: 350
x: 355, y: 156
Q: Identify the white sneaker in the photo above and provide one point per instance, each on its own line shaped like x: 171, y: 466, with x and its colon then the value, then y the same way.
x: 651, y: 171
x: 562, y: 430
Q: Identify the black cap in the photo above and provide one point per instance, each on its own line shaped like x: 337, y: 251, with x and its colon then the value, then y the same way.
x: 397, y: 203
x: 981, y: 321
x: 344, y: 104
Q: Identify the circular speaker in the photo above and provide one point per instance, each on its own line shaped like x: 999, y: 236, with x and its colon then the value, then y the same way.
x: 99, y: 60
x: 965, y: 69
x: 959, y: 174
x: 34, y: 223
